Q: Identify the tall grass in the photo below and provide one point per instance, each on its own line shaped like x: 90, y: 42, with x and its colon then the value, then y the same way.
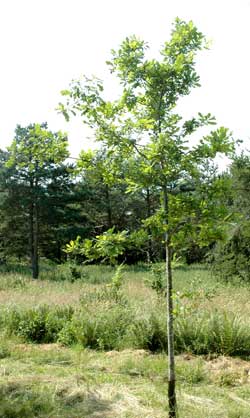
x: 115, y: 326
x: 78, y: 310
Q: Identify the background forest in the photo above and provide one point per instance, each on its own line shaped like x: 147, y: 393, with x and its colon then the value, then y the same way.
x: 56, y: 199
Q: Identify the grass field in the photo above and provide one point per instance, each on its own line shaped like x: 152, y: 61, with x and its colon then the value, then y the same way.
x: 128, y: 381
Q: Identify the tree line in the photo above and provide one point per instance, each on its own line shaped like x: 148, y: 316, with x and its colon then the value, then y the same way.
x: 46, y: 201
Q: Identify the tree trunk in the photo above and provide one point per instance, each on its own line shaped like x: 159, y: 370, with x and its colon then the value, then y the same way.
x: 170, y: 320
x: 36, y: 229
x: 31, y: 235
x: 35, y: 265
x: 108, y: 206
x: 33, y: 232
x: 170, y: 317
x: 150, y: 249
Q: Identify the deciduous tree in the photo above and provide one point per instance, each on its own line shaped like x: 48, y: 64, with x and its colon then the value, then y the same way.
x: 143, y: 124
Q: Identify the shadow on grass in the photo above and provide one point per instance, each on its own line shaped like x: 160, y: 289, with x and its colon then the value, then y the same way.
x: 11, y: 268
x: 193, y: 267
x: 24, y: 268
x: 20, y: 400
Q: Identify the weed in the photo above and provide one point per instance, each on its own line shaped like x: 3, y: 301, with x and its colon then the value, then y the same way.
x: 192, y: 372
x: 13, y: 281
x: 41, y: 324
x: 228, y: 378
x: 157, y: 280
x: 4, y: 351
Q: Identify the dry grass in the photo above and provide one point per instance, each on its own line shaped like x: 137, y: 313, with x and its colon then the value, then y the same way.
x: 208, y: 293
x: 127, y: 384
x: 45, y: 292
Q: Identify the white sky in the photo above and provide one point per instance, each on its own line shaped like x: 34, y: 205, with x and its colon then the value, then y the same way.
x: 46, y: 43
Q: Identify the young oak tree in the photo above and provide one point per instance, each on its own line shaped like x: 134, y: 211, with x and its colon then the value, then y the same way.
x: 143, y: 122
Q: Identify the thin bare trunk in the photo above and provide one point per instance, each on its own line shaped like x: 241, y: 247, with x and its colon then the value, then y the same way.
x: 170, y: 317
x: 36, y: 229
x: 35, y: 269
x: 170, y: 321
x: 108, y: 206
x: 31, y: 235
x: 33, y: 232
x: 150, y: 249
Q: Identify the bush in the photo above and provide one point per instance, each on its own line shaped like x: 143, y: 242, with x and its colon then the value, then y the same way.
x: 21, y: 401
x: 65, y: 272
x: 149, y: 333
x: 41, y: 324
x: 4, y: 351
x: 109, y: 325
x: 217, y: 333
x: 157, y: 281
x: 104, y: 329
x: 233, y: 258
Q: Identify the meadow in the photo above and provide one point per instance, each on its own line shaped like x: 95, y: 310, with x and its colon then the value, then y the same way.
x: 86, y: 342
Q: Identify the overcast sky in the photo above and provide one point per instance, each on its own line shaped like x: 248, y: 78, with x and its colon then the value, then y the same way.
x: 46, y: 43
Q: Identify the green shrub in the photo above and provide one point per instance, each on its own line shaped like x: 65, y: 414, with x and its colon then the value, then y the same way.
x: 4, y: 351
x: 67, y: 335
x: 55, y: 321
x: 149, y: 333
x: 157, y: 280
x: 109, y: 325
x: 216, y: 333
x: 19, y: 401
x: 192, y: 373
x: 233, y: 258
x: 41, y: 324
x: 229, y: 378
x: 99, y: 330
x: 65, y: 272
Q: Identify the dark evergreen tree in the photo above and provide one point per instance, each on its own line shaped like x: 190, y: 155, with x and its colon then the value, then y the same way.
x: 232, y: 258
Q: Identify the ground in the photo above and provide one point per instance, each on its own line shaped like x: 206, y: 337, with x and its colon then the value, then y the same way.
x: 49, y: 380
x: 52, y: 380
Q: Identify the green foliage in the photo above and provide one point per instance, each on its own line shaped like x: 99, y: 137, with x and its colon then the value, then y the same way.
x: 214, y: 333
x: 36, y: 208
x: 103, y: 329
x: 229, y: 378
x: 193, y: 375
x: 148, y: 332
x: 4, y: 350
x: 141, y: 127
x: 40, y: 325
x: 105, y: 322
x: 22, y: 401
x: 75, y: 273
x: 232, y: 259
x: 158, y: 281
x: 13, y: 282
x: 35, y: 144
x: 110, y: 245
x: 67, y: 272
x: 73, y: 247
x: 106, y: 247
x: 115, y: 287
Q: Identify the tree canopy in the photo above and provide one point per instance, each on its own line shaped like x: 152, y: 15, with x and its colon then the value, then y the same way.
x: 143, y: 128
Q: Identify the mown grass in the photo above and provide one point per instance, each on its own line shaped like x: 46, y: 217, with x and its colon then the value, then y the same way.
x: 120, y: 377
x: 54, y: 381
